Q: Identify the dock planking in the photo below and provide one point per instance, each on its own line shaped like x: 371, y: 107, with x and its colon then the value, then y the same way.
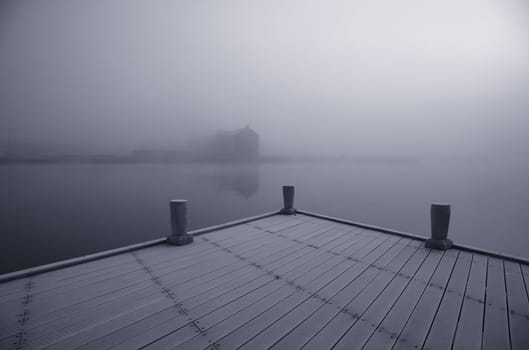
x: 518, y: 306
x: 469, y: 331
x: 279, y: 282
x: 296, y: 305
x: 417, y: 297
x: 274, y: 335
x: 416, y: 327
x: 316, y: 270
x: 496, y: 327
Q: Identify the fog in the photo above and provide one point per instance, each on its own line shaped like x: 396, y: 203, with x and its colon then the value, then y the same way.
x: 332, y: 77
x: 416, y: 101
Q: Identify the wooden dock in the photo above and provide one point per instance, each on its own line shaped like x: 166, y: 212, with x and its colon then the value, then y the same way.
x: 272, y: 282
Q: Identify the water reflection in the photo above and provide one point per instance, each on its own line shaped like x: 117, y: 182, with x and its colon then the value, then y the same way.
x: 94, y: 207
x: 242, y: 180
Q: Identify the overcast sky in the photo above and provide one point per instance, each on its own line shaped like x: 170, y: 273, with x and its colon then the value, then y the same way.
x: 376, y: 77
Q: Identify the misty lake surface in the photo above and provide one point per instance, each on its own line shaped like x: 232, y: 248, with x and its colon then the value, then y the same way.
x: 51, y: 212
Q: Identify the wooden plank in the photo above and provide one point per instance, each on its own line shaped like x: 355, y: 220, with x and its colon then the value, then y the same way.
x: 325, y: 231
x: 37, y: 317
x: 294, y: 228
x: 358, y: 278
x: 308, y: 235
x: 10, y: 312
x: 123, y: 275
x: 100, y: 274
x: 61, y: 270
x: 331, y: 227
x: 179, y: 336
x: 227, y: 319
x: 232, y: 224
x: 254, y: 284
x: 196, y: 304
x: 162, y: 306
x: 362, y: 253
x: 442, y: 330
x: 416, y: 329
x: 12, y: 286
x: 272, y: 220
x: 33, y: 338
x: 415, y: 307
x: 330, y: 242
x: 318, y: 253
x: 42, y: 289
x: 277, y: 322
x: 79, y: 261
x: 337, y: 232
x: 74, y: 270
x: 298, y: 230
x: 49, y: 333
x: 291, y: 222
x: 361, y: 249
x: 136, y: 296
x: 85, y: 321
x: 335, y: 329
x: 323, y: 242
x: 359, y: 241
x: 363, y: 226
x: 292, y: 266
x: 105, y: 273
x: 229, y: 233
x: 300, y: 233
x: 469, y: 328
x: 264, y: 330
x: 118, y: 323
x: 518, y: 306
x: 206, y: 259
x: 302, y: 267
x: 170, y: 270
x: 525, y: 273
x: 144, y: 324
x: 77, y: 270
x: 304, y: 234
x: 496, y: 327
x: 75, y: 295
x: 176, y: 331
x: 361, y: 330
x: 354, y: 301
x: 111, y: 337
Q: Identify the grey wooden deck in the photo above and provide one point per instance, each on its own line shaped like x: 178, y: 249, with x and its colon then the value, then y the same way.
x: 282, y: 282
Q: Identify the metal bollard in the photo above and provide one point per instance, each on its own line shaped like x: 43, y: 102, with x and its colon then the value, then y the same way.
x: 179, y: 236
x: 288, y: 201
x: 440, y: 220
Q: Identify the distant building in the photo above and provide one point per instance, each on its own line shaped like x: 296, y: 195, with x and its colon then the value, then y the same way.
x: 241, y: 145
x: 236, y: 145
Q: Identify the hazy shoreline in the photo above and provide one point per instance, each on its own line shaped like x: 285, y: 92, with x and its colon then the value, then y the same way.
x: 126, y: 159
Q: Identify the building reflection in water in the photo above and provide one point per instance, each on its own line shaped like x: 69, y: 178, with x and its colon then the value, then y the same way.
x: 241, y: 179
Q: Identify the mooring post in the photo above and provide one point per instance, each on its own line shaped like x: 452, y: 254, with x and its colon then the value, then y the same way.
x: 179, y: 234
x: 440, y: 219
x: 288, y: 201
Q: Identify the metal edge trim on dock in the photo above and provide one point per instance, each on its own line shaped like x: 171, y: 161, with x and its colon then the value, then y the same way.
x: 361, y: 225
x: 232, y: 223
x: 464, y: 247
x: 107, y: 253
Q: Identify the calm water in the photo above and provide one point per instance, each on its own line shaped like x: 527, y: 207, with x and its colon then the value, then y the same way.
x: 59, y: 211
